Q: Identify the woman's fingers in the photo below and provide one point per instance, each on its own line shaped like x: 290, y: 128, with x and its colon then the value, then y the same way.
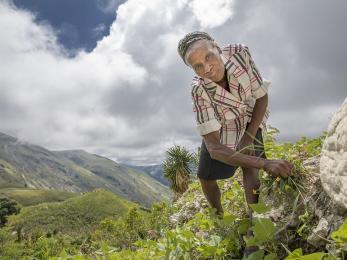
x: 279, y: 168
x: 287, y: 168
x: 283, y: 168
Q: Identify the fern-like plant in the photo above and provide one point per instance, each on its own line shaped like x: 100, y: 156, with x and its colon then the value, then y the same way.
x: 176, y: 168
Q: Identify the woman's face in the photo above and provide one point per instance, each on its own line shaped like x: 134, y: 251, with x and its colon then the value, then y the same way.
x: 204, y: 58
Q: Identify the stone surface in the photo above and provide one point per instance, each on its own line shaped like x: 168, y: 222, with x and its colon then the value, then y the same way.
x: 319, y: 233
x: 333, y: 163
x: 188, y: 209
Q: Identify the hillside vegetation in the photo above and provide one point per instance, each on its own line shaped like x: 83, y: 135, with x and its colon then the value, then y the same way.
x: 76, y: 215
x: 287, y: 224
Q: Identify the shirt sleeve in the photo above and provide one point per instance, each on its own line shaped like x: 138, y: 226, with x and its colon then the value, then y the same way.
x: 259, y: 85
x: 204, y: 113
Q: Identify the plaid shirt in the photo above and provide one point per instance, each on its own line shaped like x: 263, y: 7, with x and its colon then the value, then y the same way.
x: 218, y: 109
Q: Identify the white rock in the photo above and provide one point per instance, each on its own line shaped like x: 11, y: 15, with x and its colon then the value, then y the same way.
x: 333, y: 163
x: 321, y: 231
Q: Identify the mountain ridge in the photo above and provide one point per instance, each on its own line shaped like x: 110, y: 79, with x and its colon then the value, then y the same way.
x: 155, y: 171
x: 28, y: 165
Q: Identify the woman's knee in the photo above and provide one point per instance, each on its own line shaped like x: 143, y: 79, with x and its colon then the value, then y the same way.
x: 208, y: 184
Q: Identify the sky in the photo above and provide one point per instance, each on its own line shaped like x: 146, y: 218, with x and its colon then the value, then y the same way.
x: 105, y: 76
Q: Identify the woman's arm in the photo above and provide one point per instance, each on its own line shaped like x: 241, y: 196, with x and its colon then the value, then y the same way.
x: 257, y: 115
x: 224, y: 154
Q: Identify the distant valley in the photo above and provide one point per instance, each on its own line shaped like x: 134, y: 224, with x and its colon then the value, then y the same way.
x: 25, y: 165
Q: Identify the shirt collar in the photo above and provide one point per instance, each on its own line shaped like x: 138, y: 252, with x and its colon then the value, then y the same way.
x: 218, y: 93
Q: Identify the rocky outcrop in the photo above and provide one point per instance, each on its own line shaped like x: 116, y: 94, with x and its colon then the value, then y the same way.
x: 324, y: 214
x: 188, y: 209
x: 333, y: 163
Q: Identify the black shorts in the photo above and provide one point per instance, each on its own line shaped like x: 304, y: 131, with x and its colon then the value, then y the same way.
x: 212, y: 169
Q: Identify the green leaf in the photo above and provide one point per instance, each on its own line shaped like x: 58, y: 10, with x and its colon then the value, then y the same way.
x: 340, y: 235
x: 314, y: 256
x: 282, y: 184
x: 263, y: 229
x: 258, y: 255
x: 296, y: 254
x: 260, y: 207
x: 304, y: 217
x: 187, y: 233
x: 250, y: 241
x: 228, y: 220
x: 271, y: 256
x: 244, y: 226
x: 300, y: 231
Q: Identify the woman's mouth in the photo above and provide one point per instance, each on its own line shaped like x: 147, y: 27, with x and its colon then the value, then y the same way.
x: 210, y: 74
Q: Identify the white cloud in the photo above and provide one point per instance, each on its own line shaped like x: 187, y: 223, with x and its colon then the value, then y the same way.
x: 211, y: 14
x: 129, y: 98
x: 57, y: 98
x: 313, y: 121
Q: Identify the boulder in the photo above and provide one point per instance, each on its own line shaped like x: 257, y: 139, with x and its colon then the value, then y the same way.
x: 333, y: 163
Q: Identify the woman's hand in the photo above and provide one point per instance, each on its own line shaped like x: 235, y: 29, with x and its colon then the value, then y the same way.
x: 278, y: 168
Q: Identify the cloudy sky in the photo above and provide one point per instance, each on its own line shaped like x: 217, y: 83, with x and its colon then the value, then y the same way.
x: 105, y: 76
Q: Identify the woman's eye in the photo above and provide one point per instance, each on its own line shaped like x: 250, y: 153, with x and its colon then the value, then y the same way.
x: 208, y: 56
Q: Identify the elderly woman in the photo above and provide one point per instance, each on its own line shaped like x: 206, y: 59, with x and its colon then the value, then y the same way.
x: 230, y: 106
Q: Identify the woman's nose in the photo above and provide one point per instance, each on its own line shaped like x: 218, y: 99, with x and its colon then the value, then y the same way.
x: 208, y: 68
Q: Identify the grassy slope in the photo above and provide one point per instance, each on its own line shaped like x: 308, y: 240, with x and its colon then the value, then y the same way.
x: 9, y: 176
x: 74, y: 215
x: 29, y: 197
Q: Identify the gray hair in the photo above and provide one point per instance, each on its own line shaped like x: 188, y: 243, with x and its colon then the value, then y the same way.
x: 188, y: 40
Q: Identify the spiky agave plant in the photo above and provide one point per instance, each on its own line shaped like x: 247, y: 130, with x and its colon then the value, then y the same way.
x: 176, y: 168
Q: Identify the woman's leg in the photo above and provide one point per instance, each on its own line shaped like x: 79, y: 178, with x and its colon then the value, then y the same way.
x: 251, y: 184
x: 212, y: 193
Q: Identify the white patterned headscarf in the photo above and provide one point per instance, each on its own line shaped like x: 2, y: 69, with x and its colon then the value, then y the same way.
x: 188, y: 40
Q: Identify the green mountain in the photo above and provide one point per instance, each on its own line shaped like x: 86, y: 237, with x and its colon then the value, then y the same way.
x: 31, y: 166
x: 75, y: 215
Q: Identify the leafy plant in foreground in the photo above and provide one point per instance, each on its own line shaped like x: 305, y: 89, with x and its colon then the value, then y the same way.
x: 176, y: 168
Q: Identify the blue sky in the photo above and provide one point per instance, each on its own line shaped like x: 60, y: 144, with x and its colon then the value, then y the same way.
x: 105, y: 76
x: 80, y: 22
